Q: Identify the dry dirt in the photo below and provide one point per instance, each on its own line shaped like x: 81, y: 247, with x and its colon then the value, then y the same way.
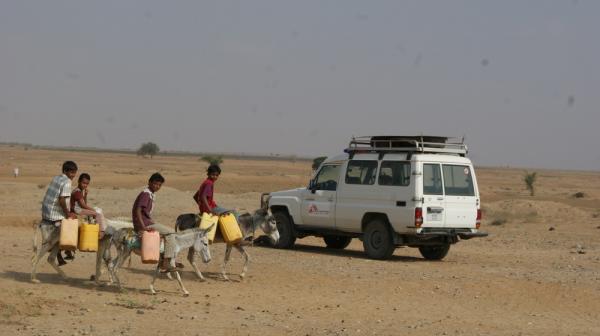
x: 537, y: 273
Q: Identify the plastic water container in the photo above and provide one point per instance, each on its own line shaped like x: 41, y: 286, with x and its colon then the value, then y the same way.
x: 206, y: 221
x: 150, y: 247
x: 230, y: 229
x: 69, y: 229
x: 88, y: 237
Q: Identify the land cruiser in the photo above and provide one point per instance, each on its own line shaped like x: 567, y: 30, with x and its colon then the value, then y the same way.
x: 388, y: 191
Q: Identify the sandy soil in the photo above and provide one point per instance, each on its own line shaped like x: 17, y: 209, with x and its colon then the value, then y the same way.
x: 537, y: 273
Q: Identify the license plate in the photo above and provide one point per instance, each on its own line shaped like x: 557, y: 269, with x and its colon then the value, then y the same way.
x: 434, y: 217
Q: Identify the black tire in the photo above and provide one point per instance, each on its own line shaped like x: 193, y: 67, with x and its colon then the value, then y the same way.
x: 437, y: 252
x: 377, y: 240
x: 337, y: 242
x: 287, y: 234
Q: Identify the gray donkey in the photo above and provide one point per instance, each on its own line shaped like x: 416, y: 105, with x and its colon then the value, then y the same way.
x: 261, y: 218
x: 195, y: 240
x: 49, y: 244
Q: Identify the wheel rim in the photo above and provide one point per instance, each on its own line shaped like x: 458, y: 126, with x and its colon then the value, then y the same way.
x: 376, y: 239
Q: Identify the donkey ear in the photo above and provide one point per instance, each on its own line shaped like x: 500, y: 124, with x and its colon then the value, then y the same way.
x: 208, y: 229
x: 261, y: 212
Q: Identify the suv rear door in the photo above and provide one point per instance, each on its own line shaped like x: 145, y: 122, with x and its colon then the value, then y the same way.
x: 433, y: 196
x: 460, y: 196
x: 318, y: 202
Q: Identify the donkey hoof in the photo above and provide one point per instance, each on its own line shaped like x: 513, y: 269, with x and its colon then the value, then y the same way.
x: 186, y: 294
x: 35, y: 281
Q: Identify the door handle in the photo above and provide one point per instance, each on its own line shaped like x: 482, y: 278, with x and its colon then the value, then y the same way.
x: 440, y: 198
x: 309, y: 199
x: 330, y: 199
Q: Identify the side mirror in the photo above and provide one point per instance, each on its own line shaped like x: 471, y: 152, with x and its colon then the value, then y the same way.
x: 311, y: 186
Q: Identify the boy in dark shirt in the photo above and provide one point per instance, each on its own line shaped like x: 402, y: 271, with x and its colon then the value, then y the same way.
x: 141, y: 214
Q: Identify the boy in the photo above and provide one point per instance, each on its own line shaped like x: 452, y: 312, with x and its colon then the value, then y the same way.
x: 204, y: 195
x: 142, y: 216
x: 54, y: 205
x: 79, y: 204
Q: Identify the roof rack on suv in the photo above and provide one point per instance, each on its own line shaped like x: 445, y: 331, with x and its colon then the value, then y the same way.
x: 407, y: 144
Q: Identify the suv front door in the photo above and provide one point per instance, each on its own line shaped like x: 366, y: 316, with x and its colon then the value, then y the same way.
x: 318, y: 201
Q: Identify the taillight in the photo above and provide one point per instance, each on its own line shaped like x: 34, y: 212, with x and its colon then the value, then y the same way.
x: 418, y: 217
x: 478, y: 220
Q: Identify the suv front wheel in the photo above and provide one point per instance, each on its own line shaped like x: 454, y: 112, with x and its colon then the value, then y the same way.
x: 337, y: 242
x: 287, y: 234
x: 377, y: 240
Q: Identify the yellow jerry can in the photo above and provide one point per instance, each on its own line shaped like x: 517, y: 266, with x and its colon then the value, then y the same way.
x: 230, y: 229
x: 206, y: 221
x: 69, y: 229
x: 88, y: 237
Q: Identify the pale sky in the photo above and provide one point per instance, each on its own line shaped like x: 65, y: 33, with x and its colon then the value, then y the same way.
x: 520, y: 79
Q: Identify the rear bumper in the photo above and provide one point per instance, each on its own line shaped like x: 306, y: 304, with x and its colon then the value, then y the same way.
x: 462, y: 234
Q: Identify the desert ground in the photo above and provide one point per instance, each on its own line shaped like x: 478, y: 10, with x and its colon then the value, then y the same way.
x: 538, y: 272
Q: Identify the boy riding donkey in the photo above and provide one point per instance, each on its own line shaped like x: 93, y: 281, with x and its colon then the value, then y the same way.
x: 142, y: 219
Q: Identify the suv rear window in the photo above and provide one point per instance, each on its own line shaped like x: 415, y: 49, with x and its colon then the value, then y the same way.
x: 458, y: 180
x: 432, y: 179
x: 361, y: 172
x: 394, y: 173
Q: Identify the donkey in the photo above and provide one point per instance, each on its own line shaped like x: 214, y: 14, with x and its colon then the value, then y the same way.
x: 248, y: 225
x: 49, y: 244
x: 195, y: 240
x: 116, y: 231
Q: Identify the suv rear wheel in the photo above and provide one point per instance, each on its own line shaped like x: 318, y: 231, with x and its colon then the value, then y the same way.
x: 287, y: 234
x: 337, y: 242
x: 437, y: 252
x: 377, y: 240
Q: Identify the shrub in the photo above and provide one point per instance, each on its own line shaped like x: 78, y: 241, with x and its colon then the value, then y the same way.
x: 317, y: 162
x: 498, y: 221
x: 529, y: 179
x: 579, y: 195
x: 212, y: 159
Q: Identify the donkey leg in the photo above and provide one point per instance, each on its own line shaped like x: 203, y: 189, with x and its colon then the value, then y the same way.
x: 185, y: 291
x: 225, y: 261
x: 192, y: 259
x: 35, y: 261
x: 99, y: 259
x: 242, y: 250
x: 154, y: 276
x: 52, y: 261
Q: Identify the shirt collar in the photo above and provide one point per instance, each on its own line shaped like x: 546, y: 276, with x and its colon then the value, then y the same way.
x: 147, y: 190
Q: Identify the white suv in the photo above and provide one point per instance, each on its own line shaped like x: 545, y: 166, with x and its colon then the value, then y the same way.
x: 388, y: 191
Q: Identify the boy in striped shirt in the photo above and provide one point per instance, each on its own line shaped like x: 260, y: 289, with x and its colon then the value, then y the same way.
x: 55, y: 206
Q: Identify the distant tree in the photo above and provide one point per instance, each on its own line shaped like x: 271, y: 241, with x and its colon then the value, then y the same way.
x: 317, y: 162
x: 529, y: 179
x: 212, y: 159
x: 148, y: 148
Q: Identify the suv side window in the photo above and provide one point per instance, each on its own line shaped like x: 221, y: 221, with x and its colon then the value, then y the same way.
x: 327, y: 178
x: 361, y: 172
x: 432, y: 179
x: 458, y: 180
x: 394, y: 173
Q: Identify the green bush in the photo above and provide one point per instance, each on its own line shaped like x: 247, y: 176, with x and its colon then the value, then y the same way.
x: 317, y: 162
x: 529, y: 179
x: 212, y: 159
